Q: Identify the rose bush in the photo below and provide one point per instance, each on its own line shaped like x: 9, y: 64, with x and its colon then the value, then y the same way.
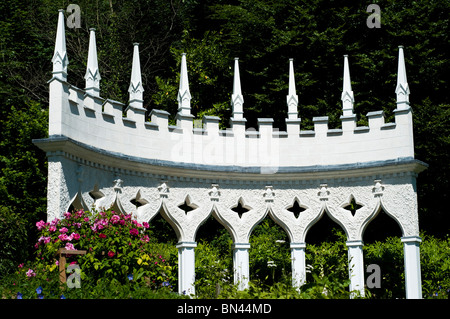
x: 114, y: 244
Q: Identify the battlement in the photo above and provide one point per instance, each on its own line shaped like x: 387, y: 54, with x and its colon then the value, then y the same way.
x: 84, y: 116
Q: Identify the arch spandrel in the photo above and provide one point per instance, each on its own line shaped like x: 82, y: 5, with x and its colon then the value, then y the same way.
x: 240, y: 227
x: 187, y: 223
x: 400, y: 202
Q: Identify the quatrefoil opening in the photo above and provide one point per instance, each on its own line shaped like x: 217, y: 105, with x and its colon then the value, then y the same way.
x: 352, y: 206
x: 241, y: 208
x: 296, y: 208
x: 187, y: 205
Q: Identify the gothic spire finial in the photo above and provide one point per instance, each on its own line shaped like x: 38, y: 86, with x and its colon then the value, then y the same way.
x: 292, y: 97
x: 136, y: 88
x: 184, y: 95
x: 60, y: 60
x: 347, y: 93
x: 402, y: 89
x: 237, y: 100
x: 92, y: 76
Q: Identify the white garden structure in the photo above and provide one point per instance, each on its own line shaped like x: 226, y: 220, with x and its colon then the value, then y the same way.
x: 99, y: 158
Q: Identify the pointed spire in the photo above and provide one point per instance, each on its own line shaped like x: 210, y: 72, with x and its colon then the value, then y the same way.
x: 184, y: 95
x: 292, y: 97
x: 92, y: 76
x: 237, y: 100
x: 60, y: 60
x: 136, y: 88
x: 402, y: 89
x: 347, y: 93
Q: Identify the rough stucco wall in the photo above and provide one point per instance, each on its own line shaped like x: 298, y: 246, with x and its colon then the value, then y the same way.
x: 395, y: 194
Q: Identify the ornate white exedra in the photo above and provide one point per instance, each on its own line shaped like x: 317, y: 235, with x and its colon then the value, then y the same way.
x: 294, y: 177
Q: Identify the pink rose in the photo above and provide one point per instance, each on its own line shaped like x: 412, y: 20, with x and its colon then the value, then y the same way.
x: 52, y: 228
x: 111, y: 254
x: 134, y: 232
x: 115, y: 219
x: 145, y: 224
x: 63, y: 230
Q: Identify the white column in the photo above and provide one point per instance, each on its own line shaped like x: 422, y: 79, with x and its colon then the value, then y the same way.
x: 186, y: 267
x: 241, y: 265
x: 413, y: 279
x: 356, y: 266
x: 298, y: 264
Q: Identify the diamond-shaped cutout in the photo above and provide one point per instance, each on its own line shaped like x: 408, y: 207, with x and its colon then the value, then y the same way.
x: 138, y: 201
x: 352, y: 206
x: 240, y: 208
x: 296, y: 208
x: 187, y: 206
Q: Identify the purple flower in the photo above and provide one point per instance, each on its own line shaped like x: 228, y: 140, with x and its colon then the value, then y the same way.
x: 19, y: 295
x: 39, y: 290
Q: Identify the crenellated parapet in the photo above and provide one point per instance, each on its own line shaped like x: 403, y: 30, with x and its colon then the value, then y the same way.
x: 86, y: 117
x: 104, y: 153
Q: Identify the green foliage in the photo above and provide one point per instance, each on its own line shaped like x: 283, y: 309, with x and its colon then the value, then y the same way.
x: 435, y: 267
x: 13, y: 235
x: 389, y: 256
x: 22, y: 180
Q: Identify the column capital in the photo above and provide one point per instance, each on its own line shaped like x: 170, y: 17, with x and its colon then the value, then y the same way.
x: 297, y: 245
x: 241, y: 246
x: 411, y: 239
x: 186, y: 244
x: 353, y: 243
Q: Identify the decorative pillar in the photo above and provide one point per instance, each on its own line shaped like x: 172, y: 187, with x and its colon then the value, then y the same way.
x: 348, y: 117
x: 60, y: 60
x: 135, y: 109
x: 241, y: 265
x: 186, y: 267
x: 292, y: 122
x: 298, y: 264
x: 92, y: 75
x: 413, y: 279
x: 356, y: 267
x: 402, y: 88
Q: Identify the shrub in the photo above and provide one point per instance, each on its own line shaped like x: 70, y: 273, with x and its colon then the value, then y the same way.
x: 13, y: 236
x: 119, y: 250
